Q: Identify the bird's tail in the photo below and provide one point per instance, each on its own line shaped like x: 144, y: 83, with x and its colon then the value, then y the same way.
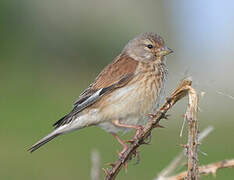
x: 62, y: 129
x: 43, y: 141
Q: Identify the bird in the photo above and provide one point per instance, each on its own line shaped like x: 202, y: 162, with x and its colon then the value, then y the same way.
x: 122, y: 95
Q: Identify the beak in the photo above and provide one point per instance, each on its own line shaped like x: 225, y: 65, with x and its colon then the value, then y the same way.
x: 165, y: 51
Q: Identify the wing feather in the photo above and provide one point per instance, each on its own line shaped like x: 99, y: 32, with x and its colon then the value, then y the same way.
x: 115, y: 75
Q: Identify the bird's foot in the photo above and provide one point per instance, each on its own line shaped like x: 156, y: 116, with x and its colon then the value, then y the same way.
x: 121, y: 153
x: 139, y: 129
x: 121, y: 157
x: 125, y: 146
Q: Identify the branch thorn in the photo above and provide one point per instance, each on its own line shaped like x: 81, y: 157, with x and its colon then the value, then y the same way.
x: 106, y: 172
x: 159, y: 126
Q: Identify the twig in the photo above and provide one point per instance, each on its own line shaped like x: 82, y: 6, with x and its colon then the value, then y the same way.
x: 176, y: 162
x: 95, y: 169
x: 180, y: 92
x: 192, y: 147
x: 207, y: 169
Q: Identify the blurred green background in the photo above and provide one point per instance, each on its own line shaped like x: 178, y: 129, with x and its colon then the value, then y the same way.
x: 51, y: 50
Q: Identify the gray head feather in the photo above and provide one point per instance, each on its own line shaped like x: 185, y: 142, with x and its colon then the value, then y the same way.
x: 138, y: 49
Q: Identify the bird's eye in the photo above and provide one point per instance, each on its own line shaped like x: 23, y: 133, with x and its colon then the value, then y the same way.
x: 150, y: 46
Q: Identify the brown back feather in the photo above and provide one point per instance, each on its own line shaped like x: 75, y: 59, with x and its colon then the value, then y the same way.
x: 113, y: 73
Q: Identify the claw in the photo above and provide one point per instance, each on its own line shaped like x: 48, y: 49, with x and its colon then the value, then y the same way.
x: 120, y: 154
x: 125, y: 146
x: 138, y: 131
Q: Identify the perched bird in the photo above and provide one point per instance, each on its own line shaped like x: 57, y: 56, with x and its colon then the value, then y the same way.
x: 122, y: 94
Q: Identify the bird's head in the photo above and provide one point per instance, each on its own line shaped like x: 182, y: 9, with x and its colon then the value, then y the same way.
x: 147, y: 47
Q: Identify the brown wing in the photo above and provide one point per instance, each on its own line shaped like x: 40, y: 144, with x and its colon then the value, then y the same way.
x: 115, y: 75
x: 121, y: 67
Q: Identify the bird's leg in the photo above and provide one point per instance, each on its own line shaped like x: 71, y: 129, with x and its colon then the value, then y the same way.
x: 138, y: 128
x: 125, y: 146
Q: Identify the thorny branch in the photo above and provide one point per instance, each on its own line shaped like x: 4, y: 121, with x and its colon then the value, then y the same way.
x: 180, y: 158
x: 207, y: 169
x: 192, y: 146
x: 181, y: 91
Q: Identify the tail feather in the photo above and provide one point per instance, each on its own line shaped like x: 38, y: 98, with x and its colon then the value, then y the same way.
x: 42, y: 142
x: 61, y: 129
